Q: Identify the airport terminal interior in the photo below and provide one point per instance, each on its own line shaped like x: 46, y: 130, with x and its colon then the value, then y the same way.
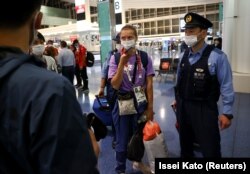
x: 159, y: 25
x: 234, y: 140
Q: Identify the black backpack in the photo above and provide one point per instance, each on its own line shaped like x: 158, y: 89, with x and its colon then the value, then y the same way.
x: 90, y: 58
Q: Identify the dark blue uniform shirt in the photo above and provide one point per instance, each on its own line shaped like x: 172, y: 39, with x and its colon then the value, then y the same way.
x: 218, y: 64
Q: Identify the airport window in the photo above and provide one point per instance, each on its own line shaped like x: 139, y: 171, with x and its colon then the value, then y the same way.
x: 80, y: 16
x: 133, y: 14
x: 146, y: 13
x: 175, y: 29
x: 147, y: 31
x: 139, y: 31
x: 175, y: 10
x: 93, y: 10
x: 171, y: 25
x: 160, y: 23
x: 175, y: 21
x: 153, y: 24
x: 192, y: 9
x: 216, y: 25
x: 166, y: 11
x: 211, y: 17
x: 167, y: 30
x: 139, y: 14
x: 167, y: 22
x: 183, y: 10
x: 147, y: 25
x: 127, y: 18
x: 153, y: 31
x: 200, y: 8
x: 212, y: 7
x: 216, y: 17
x: 161, y: 30
x: 160, y: 12
x: 152, y: 13
x: 140, y: 25
x: 94, y: 19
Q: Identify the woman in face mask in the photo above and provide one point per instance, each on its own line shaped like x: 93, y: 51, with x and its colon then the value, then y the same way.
x: 128, y: 75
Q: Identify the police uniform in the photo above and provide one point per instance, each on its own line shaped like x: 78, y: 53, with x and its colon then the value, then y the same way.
x: 202, y: 77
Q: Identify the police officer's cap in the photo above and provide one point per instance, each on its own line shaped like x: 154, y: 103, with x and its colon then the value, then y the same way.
x: 193, y: 20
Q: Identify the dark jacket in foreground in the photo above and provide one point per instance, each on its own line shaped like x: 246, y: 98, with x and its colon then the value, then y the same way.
x: 42, y: 130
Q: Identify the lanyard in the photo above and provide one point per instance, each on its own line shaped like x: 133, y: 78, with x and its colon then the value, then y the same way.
x: 138, y: 63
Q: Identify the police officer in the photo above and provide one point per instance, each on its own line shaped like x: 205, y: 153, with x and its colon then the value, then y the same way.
x: 204, y: 74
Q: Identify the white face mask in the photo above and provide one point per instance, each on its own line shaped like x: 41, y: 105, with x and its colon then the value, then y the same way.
x: 191, y: 40
x: 128, y: 44
x: 38, y: 49
x: 118, y: 46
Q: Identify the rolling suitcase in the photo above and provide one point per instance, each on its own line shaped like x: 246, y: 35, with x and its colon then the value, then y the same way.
x: 102, y: 110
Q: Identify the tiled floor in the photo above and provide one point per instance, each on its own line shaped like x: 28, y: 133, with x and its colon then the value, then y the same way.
x: 234, y: 141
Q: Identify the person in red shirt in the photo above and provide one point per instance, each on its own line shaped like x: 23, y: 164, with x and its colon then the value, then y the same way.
x: 80, y: 55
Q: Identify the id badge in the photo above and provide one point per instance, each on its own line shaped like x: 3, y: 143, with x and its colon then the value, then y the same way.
x: 140, y: 94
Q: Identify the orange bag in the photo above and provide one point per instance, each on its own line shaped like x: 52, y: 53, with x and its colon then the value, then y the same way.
x: 150, y: 130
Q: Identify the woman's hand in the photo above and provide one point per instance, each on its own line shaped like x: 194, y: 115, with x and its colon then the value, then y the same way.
x: 125, y: 55
x: 94, y: 143
x: 150, y: 114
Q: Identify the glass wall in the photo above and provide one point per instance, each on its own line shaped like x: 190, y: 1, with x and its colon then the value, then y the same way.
x: 158, y: 21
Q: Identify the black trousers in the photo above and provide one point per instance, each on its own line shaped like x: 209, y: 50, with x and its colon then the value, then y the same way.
x: 84, y: 76
x: 78, y: 75
x: 68, y: 72
x: 198, y: 120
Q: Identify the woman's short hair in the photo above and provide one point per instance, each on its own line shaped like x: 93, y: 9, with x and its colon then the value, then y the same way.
x: 130, y: 27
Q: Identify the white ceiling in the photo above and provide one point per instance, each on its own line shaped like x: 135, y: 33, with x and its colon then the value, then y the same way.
x: 159, y: 3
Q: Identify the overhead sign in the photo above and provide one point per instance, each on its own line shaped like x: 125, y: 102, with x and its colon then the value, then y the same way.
x: 118, y: 6
x: 80, y: 6
x: 79, y: 2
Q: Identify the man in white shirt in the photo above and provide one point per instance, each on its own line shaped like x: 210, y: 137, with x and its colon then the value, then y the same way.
x: 66, y: 59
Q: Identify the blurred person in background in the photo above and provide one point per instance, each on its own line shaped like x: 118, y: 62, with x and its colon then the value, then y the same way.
x: 80, y: 54
x: 38, y: 48
x: 66, y: 60
x: 218, y: 42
